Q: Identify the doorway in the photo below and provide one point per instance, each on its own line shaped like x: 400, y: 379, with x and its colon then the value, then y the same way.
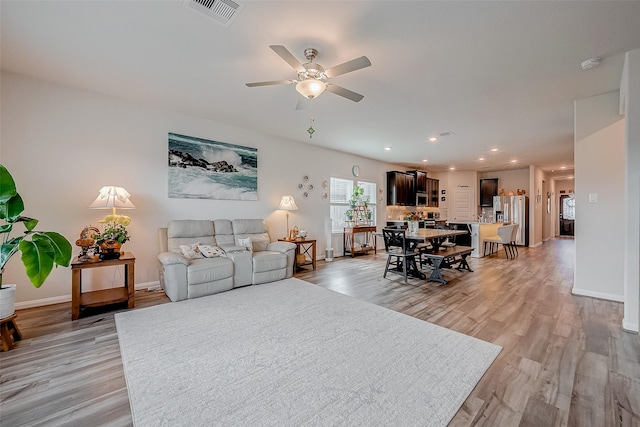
x: 567, y: 214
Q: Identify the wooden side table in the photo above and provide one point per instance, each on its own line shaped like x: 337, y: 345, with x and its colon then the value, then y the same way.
x: 306, y: 247
x: 9, y: 332
x: 102, y: 297
x: 348, y: 240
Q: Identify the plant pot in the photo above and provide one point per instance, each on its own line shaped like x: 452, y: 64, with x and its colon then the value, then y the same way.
x: 7, y: 300
x: 110, y: 249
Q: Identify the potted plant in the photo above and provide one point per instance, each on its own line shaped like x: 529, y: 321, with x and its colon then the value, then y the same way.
x: 40, y: 250
x: 356, y: 197
x: 349, y: 214
x: 113, y: 235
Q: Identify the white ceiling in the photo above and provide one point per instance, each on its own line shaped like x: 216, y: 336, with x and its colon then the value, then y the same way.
x: 498, y: 74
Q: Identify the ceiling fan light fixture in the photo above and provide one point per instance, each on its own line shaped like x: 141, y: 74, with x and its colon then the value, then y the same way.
x: 311, y: 88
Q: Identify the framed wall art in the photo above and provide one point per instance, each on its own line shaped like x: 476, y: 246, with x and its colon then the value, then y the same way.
x: 204, y: 169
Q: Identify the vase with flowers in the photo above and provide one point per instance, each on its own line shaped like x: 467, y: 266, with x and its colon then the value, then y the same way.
x: 412, y: 219
x: 113, y: 235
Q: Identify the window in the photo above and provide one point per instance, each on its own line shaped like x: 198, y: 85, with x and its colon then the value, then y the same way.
x: 341, y: 191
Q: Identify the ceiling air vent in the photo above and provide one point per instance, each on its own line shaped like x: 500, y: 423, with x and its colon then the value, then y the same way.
x: 221, y: 11
x: 447, y: 133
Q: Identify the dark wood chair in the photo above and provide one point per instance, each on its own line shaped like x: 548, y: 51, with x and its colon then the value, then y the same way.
x: 401, y: 254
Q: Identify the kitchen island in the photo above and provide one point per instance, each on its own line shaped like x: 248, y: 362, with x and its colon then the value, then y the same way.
x: 479, y: 232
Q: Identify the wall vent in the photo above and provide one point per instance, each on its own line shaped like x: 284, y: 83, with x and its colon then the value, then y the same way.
x: 222, y: 11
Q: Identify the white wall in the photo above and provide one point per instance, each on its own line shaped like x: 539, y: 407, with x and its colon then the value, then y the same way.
x: 63, y: 144
x: 599, y: 170
x: 630, y: 106
x: 510, y: 180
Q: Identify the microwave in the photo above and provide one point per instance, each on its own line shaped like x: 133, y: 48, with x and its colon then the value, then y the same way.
x: 422, y: 199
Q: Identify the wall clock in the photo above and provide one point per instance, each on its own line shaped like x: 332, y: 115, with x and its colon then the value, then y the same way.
x: 355, y: 170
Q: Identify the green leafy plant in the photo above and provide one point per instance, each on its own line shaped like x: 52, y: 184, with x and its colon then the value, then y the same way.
x: 349, y: 214
x: 40, y: 250
x: 114, y: 228
x: 356, y: 197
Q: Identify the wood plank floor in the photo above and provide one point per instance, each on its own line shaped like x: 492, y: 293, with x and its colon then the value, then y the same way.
x: 565, y: 361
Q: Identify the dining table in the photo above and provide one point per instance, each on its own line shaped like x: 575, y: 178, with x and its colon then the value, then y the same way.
x: 434, y: 236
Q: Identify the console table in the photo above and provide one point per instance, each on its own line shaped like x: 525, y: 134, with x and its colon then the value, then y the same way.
x: 306, y: 247
x: 348, y: 240
x: 102, y: 297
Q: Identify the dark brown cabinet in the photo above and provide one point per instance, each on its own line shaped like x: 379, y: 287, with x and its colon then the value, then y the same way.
x: 400, y: 189
x: 488, y: 189
x: 420, y: 178
x: 433, y: 190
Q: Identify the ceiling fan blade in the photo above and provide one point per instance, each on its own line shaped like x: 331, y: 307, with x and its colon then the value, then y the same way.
x: 338, y: 90
x: 349, y: 66
x: 287, y: 56
x: 274, y: 82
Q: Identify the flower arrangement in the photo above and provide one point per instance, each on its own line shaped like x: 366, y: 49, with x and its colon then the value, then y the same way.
x: 411, y: 216
x: 114, y: 228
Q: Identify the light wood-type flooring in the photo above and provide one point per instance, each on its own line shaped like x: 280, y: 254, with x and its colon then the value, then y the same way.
x: 566, y: 360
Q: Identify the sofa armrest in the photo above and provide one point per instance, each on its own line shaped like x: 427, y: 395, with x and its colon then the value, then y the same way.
x: 287, y: 248
x: 282, y: 247
x: 174, y: 273
x: 168, y: 258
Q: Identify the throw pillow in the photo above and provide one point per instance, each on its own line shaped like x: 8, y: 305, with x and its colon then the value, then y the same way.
x: 211, y: 251
x: 246, y: 243
x: 191, y: 251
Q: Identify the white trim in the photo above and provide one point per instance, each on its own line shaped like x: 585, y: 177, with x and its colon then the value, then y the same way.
x: 43, y: 302
x: 155, y: 285
x: 535, y: 245
x: 630, y: 327
x: 599, y: 295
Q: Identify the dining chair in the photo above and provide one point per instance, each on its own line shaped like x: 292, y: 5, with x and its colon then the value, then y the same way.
x: 449, y: 242
x: 399, y: 252
x: 514, y: 236
x: 502, y: 237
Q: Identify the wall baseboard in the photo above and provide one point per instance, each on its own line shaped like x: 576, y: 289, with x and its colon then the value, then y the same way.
x: 599, y: 295
x: 155, y: 285
x: 629, y: 327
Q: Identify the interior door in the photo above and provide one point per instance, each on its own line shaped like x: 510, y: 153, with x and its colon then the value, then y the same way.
x: 567, y: 214
x: 464, y: 204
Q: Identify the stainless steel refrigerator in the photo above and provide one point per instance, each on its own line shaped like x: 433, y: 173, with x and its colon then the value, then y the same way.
x: 514, y: 209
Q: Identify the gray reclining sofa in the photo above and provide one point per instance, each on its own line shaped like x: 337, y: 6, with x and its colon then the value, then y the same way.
x: 183, y: 278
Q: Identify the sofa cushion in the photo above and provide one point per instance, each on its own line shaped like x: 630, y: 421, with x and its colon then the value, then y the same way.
x: 267, y: 261
x: 249, y: 226
x: 205, y: 270
x: 187, y: 232
x: 224, y: 232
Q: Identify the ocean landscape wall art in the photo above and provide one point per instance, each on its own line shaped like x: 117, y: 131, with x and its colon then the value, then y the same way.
x: 204, y: 169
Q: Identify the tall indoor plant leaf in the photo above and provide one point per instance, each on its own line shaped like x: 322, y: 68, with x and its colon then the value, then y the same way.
x: 40, y: 250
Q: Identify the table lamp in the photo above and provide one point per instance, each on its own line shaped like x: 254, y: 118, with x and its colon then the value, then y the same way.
x: 287, y: 204
x: 112, y: 197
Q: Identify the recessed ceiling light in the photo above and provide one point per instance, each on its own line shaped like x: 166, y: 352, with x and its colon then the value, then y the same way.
x: 432, y: 139
x: 387, y: 148
x: 481, y: 158
x: 424, y: 160
x: 494, y: 149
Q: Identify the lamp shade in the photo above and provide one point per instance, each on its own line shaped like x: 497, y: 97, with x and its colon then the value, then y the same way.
x: 287, y: 204
x: 112, y: 197
x: 311, y: 88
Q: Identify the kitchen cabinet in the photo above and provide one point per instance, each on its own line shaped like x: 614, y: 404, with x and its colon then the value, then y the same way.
x: 420, y: 178
x: 488, y: 189
x: 433, y: 190
x: 400, y: 189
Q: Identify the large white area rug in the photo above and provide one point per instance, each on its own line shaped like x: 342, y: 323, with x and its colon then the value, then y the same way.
x: 290, y: 353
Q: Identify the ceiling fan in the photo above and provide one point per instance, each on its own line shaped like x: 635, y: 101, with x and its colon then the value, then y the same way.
x: 313, y: 79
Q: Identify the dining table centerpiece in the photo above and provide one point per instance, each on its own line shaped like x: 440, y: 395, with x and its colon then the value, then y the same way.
x: 113, y: 235
x: 412, y: 219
